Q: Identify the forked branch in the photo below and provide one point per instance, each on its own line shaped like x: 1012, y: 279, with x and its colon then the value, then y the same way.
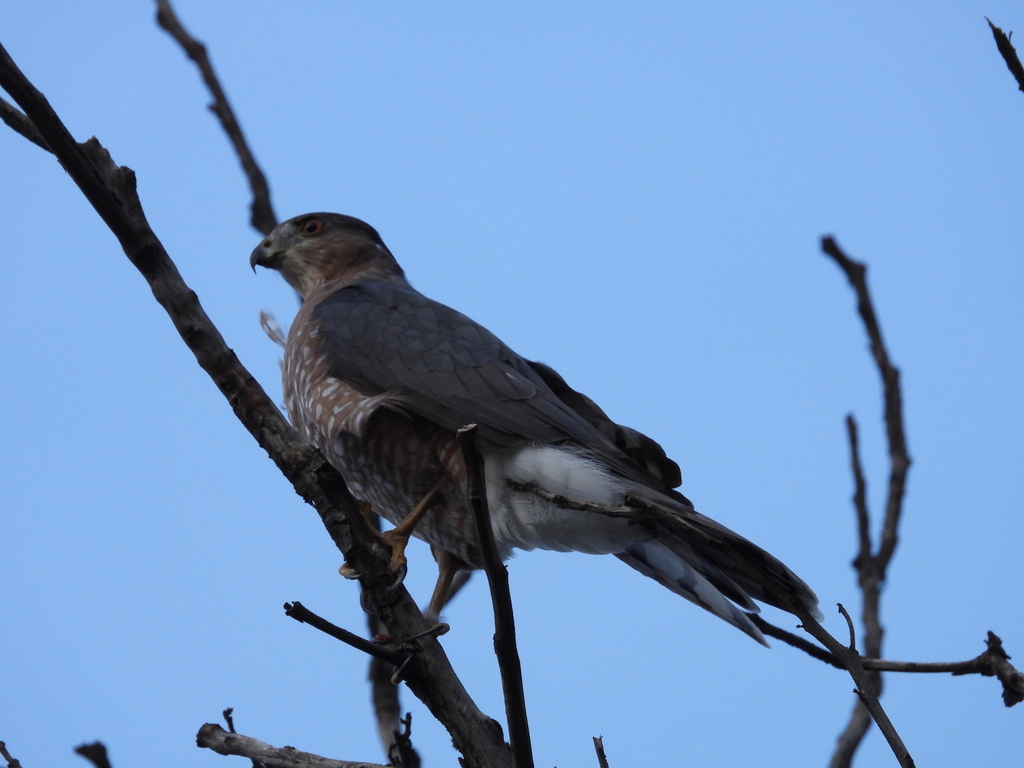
x: 111, y: 191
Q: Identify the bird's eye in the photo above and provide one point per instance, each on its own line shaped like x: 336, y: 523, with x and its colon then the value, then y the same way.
x: 312, y: 226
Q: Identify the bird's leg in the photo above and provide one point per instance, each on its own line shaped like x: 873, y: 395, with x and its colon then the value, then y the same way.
x: 398, y: 537
x: 448, y: 565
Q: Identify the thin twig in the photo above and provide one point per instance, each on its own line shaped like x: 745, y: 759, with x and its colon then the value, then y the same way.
x: 111, y: 191
x: 402, y: 754
x: 302, y: 614
x: 860, y: 501
x: 993, y: 662
x: 864, y: 564
x: 21, y: 124
x: 212, y: 736
x: 851, y: 660
x: 504, y: 621
x: 795, y: 640
x: 1009, y: 53
x: 602, y: 759
x: 95, y: 753
x: 263, y: 218
x: 849, y: 624
x: 12, y: 762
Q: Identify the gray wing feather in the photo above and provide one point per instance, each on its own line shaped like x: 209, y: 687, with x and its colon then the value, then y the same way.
x: 386, y: 337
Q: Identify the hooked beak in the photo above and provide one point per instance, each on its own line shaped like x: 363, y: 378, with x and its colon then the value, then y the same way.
x: 265, y: 255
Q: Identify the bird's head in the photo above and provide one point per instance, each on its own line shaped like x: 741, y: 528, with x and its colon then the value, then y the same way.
x: 315, y: 248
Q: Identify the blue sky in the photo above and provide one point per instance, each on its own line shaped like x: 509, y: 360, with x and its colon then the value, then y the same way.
x: 632, y: 195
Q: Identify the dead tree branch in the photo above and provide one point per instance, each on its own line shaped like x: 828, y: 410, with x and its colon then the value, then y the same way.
x: 993, y: 662
x: 384, y: 696
x: 20, y: 124
x: 871, y: 566
x: 95, y: 753
x: 226, y: 714
x: 302, y: 614
x: 1009, y: 53
x: 852, y: 662
x: 262, y: 218
x: 504, y: 621
x: 12, y: 762
x: 602, y: 760
x: 213, y: 737
x: 111, y: 191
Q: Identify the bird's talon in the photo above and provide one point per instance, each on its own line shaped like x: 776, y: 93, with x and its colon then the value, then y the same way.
x: 348, y: 572
x: 400, y: 573
x: 365, y: 604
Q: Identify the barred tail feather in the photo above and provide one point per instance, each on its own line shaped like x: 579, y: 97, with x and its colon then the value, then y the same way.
x: 729, y: 564
x: 654, y: 559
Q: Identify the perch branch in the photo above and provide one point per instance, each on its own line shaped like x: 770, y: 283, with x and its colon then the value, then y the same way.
x: 262, y: 212
x: 602, y: 759
x: 111, y: 191
x: 1009, y: 53
x: 213, y: 737
x: 504, y: 621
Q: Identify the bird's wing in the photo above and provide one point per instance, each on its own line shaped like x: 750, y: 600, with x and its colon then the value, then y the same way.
x: 388, y: 337
x: 641, y: 450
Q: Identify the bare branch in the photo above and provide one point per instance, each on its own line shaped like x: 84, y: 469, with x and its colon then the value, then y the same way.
x: 602, y: 759
x: 860, y: 501
x: 871, y: 566
x: 794, y: 640
x: 851, y: 660
x: 998, y: 665
x: 993, y: 662
x: 95, y: 753
x: 12, y: 762
x: 212, y: 736
x: 21, y: 124
x: 263, y: 218
x: 111, y: 191
x: 384, y: 697
x: 504, y: 621
x: 401, y: 754
x: 849, y: 624
x: 853, y: 734
x: 302, y: 614
x: 1009, y: 53
x: 899, y: 459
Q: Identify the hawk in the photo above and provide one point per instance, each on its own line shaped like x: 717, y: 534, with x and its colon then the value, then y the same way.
x: 379, y: 378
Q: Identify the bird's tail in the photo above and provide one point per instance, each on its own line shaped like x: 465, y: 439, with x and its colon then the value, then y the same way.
x: 711, y: 566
